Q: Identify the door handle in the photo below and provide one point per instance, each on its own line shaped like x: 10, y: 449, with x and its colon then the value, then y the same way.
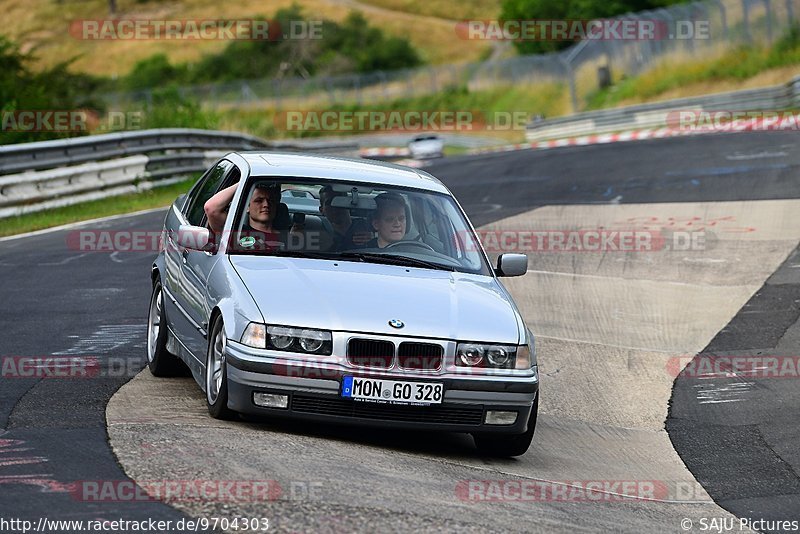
x: 184, y: 254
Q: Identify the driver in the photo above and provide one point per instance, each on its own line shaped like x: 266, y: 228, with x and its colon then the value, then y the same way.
x: 262, y: 210
x: 388, y: 220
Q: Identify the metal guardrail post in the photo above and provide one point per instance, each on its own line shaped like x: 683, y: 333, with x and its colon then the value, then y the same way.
x: 567, y: 60
x: 571, y: 79
x: 746, y: 20
x: 768, y: 17
x: 703, y: 7
x: 276, y: 90
x: 671, y: 24
x: 688, y: 16
x: 384, y: 84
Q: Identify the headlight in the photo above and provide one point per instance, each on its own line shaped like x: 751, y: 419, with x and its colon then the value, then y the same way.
x: 280, y: 337
x: 304, y: 340
x: 498, y: 356
x: 486, y: 356
x: 312, y: 340
x: 469, y: 355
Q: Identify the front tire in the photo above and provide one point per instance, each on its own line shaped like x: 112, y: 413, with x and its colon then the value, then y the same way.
x: 217, y: 374
x: 159, y: 360
x: 505, y: 445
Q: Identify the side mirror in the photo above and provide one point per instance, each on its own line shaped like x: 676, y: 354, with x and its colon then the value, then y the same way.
x: 194, y: 237
x: 512, y: 265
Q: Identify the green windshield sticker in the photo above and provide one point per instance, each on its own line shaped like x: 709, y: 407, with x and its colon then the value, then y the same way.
x: 248, y: 241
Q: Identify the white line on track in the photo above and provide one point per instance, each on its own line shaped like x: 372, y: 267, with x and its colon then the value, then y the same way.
x: 601, y: 277
x: 65, y: 260
x: 81, y: 223
x: 626, y: 347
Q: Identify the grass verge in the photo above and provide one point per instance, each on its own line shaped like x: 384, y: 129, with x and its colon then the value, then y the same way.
x: 154, y: 198
x: 489, y: 107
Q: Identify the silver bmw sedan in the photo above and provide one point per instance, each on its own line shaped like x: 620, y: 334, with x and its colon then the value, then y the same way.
x: 341, y: 290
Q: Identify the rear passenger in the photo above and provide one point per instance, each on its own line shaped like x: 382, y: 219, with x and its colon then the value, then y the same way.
x: 348, y: 233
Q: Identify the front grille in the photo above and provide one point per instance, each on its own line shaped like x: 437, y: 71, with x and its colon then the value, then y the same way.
x: 370, y: 353
x: 426, y: 356
x: 445, y: 415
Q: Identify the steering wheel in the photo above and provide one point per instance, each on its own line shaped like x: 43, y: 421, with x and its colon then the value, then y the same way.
x: 410, y: 242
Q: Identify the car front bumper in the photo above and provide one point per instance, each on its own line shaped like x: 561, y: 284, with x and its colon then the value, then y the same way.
x: 314, y: 393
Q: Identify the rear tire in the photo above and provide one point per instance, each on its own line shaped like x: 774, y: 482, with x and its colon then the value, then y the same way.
x: 505, y: 445
x: 217, y: 373
x: 160, y: 361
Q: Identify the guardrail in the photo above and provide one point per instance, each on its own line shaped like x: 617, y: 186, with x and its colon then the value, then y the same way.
x: 43, y: 175
x: 657, y: 115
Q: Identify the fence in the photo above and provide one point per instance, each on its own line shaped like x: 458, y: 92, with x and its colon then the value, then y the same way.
x: 729, y: 23
x: 49, y: 174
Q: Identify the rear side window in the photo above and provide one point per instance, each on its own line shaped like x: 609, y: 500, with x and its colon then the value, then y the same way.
x: 205, y: 189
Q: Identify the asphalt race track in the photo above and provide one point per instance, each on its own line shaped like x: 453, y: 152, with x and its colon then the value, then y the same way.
x: 614, y: 328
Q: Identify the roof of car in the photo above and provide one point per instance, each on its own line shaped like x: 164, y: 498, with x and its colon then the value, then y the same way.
x: 338, y: 168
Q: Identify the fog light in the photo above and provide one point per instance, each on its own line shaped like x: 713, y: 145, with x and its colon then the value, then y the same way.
x: 268, y: 400
x: 500, y: 418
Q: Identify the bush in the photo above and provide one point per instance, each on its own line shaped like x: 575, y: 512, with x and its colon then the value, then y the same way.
x: 55, y: 89
x: 169, y: 109
x: 352, y: 46
x: 153, y: 71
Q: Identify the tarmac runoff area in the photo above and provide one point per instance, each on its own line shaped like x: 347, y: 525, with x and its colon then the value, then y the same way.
x: 610, y: 326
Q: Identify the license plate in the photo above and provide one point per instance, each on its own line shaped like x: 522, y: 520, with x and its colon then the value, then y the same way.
x: 391, y: 391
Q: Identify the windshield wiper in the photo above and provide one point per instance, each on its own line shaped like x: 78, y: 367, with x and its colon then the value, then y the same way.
x: 392, y: 259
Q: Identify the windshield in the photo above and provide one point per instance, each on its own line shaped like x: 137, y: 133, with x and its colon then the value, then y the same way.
x: 355, y: 222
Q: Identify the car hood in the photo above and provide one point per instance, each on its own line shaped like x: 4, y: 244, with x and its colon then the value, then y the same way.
x: 364, y: 297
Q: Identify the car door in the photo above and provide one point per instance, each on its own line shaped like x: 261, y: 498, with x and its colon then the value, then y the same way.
x: 196, y: 267
x: 181, y: 286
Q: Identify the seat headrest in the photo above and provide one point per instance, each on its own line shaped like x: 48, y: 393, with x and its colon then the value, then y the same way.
x: 283, y: 221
